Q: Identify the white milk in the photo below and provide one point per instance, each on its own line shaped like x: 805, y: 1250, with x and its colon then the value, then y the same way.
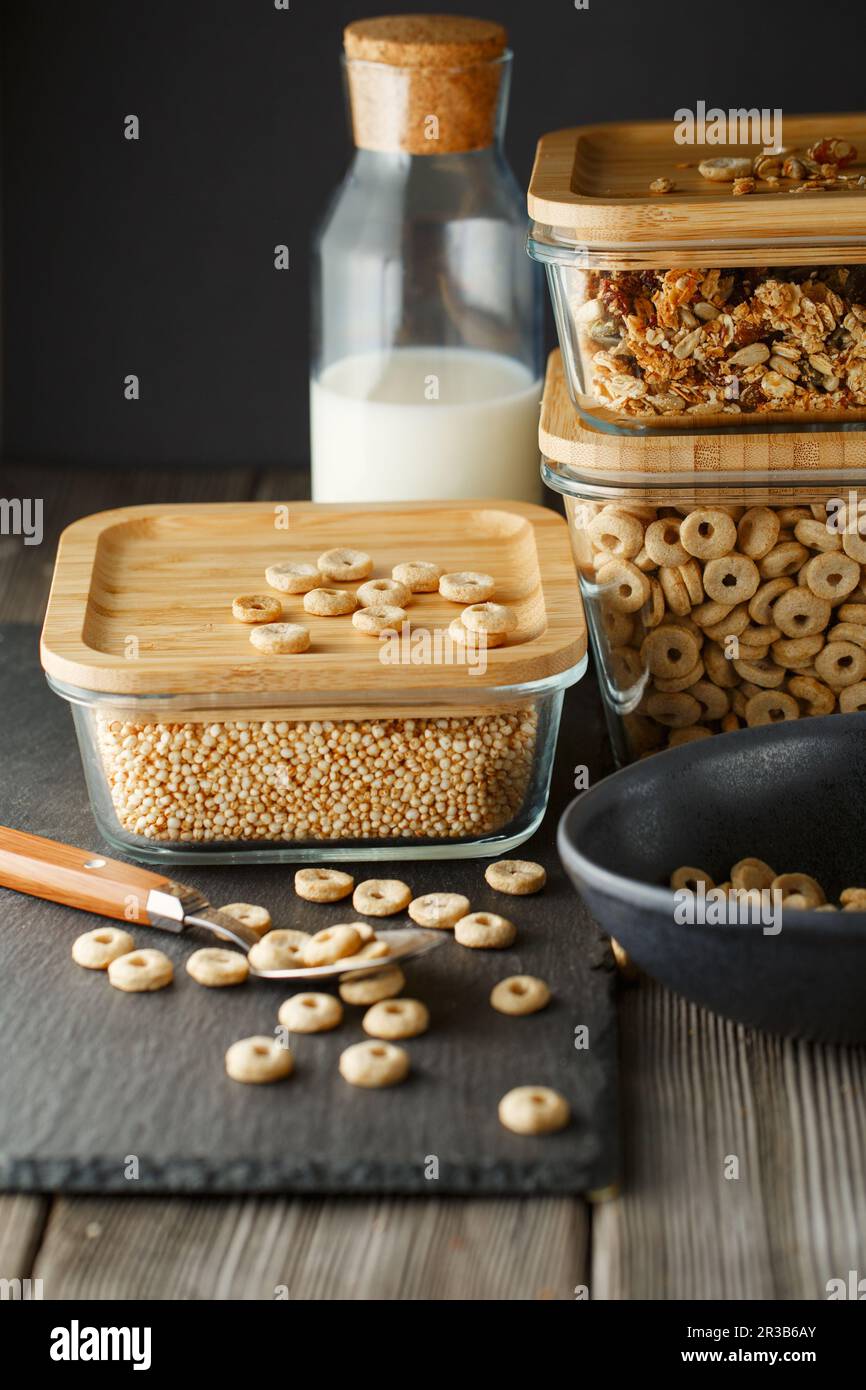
x: 420, y: 423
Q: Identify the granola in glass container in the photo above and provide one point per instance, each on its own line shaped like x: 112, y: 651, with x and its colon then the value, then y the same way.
x: 717, y: 342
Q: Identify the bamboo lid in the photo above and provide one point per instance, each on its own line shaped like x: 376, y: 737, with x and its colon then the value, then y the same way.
x: 424, y: 84
x: 593, y: 184
x: 141, y: 602
x: 425, y: 40
x: 576, y: 450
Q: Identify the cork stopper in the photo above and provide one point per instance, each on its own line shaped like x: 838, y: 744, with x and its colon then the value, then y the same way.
x: 424, y: 84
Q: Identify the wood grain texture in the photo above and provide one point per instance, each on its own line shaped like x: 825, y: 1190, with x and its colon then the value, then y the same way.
x: 593, y: 182
x: 698, y: 1090
x: 22, y: 1224
x: 165, y: 576
x: 434, y: 1248
x: 62, y: 873
x: 819, y: 459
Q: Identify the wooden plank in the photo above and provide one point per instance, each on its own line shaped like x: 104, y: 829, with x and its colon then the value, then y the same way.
x: 22, y: 1222
x: 309, y: 1249
x: 697, y: 1091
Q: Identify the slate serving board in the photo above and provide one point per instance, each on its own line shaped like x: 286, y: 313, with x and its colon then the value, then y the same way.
x: 96, y: 1085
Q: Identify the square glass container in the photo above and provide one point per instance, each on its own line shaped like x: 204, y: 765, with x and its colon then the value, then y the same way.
x: 701, y: 309
x: 199, y: 747
x: 724, y: 578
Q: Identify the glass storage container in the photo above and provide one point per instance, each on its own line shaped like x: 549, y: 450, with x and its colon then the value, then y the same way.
x: 427, y: 315
x: 197, y: 746
x: 724, y: 580
x: 707, y: 305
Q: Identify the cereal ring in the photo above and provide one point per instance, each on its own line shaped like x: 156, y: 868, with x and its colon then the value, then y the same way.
x: 708, y: 534
x: 520, y: 995
x: 691, y: 575
x: 663, y: 544
x: 140, y: 971
x: 383, y: 618
x: 96, y: 949
x: 256, y: 608
x: 841, y: 664
x: 396, y: 1018
x: 381, y: 897
x: 216, y: 968
x: 516, y: 876
x: 629, y: 587
x: 832, y: 576
x: 281, y: 639
x: 818, y: 698
x: 689, y: 878
x: 789, y: 516
x: 332, y: 944
x: 329, y: 603
x: 758, y: 532
x: 736, y: 622
x: 533, y: 1110
x: 675, y: 710
x: 710, y: 613
x: 279, y: 950
x: 644, y: 561
x: 684, y: 682
x: 853, y: 613
x: 489, y: 618
x: 466, y: 586
x: 371, y: 950
x: 616, y: 532
x: 618, y: 627
x: 343, y: 565
x: 770, y: 707
x: 730, y: 724
x: 654, y: 609
x: 675, y: 591
x: 752, y: 873
x: 797, y: 652
x: 800, y: 612
x: 292, y: 576
x: 258, y: 1060
x: 323, y: 885
x: 419, y: 576
x: 381, y: 593
x: 626, y: 668
x: 374, y: 1064
x: 784, y: 559
x: 803, y: 885
x: 765, y: 673
x: 310, y: 1013
x: 669, y: 651
x: 853, y: 698
x: 369, y: 989
x: 258, y: 919
x: 732, y: 579
x: 719, y: 668
x: 816, y: 535
x: 484, y: 931
x: 439, y: 910
x: 480, y: 641
x: 848, y: 632
x: 854, y: 545
x: 713, y: 699
x: 761, y: 606
x: 692, y: 734
x: 853, y: 899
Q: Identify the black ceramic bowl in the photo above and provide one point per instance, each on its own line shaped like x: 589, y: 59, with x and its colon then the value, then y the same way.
x: 793, y: 794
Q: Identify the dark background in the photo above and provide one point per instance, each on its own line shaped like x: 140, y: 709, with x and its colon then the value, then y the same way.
x: 156, y: 256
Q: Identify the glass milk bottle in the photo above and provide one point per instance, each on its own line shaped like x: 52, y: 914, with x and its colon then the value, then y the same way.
x: 426, y: 374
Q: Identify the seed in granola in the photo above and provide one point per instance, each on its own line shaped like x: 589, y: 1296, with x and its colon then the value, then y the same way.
x: 766, y: 166
x: 724, y: 169
x: 793, y: 168
x: 743, y: 186
x: 662, y: 186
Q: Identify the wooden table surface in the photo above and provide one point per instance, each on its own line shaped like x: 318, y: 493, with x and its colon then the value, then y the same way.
x: 697, y: 1092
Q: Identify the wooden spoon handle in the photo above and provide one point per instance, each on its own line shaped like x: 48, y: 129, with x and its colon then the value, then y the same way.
x: 63, y: 874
